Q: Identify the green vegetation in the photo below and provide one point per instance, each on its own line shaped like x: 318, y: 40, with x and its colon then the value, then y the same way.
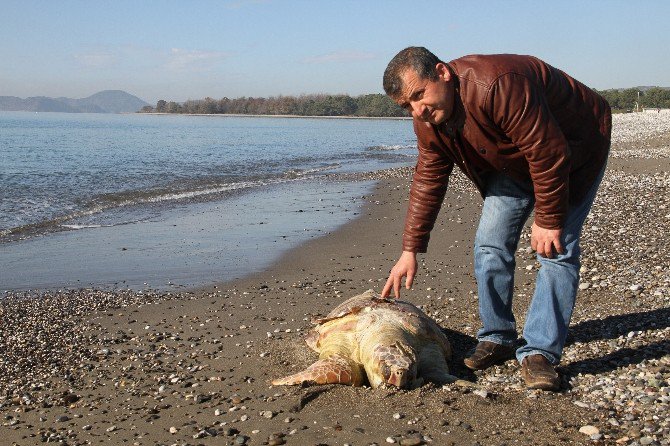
x: 626, y: 99
x: 370, y: 105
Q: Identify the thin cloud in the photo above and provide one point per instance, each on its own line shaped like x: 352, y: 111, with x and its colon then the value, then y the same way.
x: 120, y: 57
x: 194, y: 60
x: 340, y: 56
x: 237, y: 4
x: 96, y: 59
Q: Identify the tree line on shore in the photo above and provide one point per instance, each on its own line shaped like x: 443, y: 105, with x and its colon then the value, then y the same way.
x: 634, y: 98
x: 369, y: 105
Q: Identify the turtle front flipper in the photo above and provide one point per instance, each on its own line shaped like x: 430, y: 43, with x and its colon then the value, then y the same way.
x: 433, y: 367
x: 334, y: 369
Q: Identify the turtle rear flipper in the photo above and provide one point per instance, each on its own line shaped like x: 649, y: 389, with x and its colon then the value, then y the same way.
x: 334, y: 369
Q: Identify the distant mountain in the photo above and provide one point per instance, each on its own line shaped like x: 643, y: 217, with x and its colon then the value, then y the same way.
x: 108, y: 101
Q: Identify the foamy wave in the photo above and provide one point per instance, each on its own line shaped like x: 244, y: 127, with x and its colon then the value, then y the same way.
x: 384, y: 148
x: 198, y: 193
x: 80, y: 226
x: 122, y: 200
x: 296, y: 173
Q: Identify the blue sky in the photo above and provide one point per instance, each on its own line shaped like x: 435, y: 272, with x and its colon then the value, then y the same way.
x: 176, y: 50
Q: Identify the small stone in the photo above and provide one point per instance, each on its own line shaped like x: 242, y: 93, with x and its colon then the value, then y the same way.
x: 634, y: 432
x: 397, y: 416
x: 414, y: 440
x: 63, y: 419
x: 267, y: 414
x: 88, y: 427
x: 212, y: 432
x: 201, y: 434
x: 229, y: 432
x: 111, y: 428
x: 217, y: 412
x: 646, y: 441
x: 584, y: 285
x: 199, y: 399
x: 241, y: 440
x: 390, y: 440
x: 173, y: 430
x: 589, y: 430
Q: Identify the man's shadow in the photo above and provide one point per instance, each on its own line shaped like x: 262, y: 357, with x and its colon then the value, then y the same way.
x: 611, y: 327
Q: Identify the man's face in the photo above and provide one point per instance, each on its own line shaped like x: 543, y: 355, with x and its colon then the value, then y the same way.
x: 428, y: 100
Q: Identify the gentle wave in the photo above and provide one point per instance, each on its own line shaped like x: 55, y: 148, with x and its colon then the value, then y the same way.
x: 110, y: 202
x: 81, y: 226
x: 384, y: 148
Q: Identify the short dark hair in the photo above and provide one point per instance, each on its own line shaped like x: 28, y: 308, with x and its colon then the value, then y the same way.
x: 417, y: 58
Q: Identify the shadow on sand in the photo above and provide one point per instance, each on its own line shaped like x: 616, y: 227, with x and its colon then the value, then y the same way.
x: 611, y: 327
x: 461, y: 345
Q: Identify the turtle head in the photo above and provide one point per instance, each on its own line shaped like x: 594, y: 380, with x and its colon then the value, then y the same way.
x: 393, y: 365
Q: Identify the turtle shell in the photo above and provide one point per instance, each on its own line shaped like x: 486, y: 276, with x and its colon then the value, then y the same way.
x: 360, y: 313
x: 352, y: 305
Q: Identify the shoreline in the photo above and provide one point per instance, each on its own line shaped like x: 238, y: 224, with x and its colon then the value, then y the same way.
x: 234, y: 115
x: 233, y: 237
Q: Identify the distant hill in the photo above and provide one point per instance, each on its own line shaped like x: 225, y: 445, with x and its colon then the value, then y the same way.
x: 108, y: 101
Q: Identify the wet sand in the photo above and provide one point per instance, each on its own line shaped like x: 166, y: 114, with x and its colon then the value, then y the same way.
x: 195, y: 367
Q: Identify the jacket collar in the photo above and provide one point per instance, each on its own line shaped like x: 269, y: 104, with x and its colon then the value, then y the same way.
x: 457, y: 119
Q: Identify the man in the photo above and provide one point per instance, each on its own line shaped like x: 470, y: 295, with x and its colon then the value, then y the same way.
x: 531, y: 138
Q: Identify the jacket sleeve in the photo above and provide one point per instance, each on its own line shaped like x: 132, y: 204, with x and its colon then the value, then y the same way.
x: 429, y: 185
x: 520, y: 109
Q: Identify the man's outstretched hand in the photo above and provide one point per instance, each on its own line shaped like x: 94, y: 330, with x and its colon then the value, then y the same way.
x: 406, y: 266
x: 545, y: 241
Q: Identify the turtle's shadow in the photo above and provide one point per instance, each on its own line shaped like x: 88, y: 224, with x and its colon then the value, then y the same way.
x: 461, y: 345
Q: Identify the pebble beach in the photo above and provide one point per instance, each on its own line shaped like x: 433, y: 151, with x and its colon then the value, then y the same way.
x: 91, y: 366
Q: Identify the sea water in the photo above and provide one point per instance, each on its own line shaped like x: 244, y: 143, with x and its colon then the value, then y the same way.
x: 72, y: 185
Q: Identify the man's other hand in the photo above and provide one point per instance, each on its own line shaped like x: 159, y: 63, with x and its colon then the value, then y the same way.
x: 545, y: 241
x: 405, y: 267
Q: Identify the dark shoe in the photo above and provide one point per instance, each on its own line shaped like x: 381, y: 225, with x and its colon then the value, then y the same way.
x: 487, y: 354
x: 538, y: 373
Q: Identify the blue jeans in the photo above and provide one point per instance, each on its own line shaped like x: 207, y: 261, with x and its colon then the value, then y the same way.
x: 507, y: 205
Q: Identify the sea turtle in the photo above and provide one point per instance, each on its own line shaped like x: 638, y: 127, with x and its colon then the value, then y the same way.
x: 367, y: 339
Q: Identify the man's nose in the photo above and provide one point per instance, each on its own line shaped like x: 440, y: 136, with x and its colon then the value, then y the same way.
x: 419, y: 109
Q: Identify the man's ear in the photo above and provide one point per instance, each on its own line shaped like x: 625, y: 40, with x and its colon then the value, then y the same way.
x: 443, y: 72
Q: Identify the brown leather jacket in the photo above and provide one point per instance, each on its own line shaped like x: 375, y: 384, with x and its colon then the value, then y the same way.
x: 519, y: 116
